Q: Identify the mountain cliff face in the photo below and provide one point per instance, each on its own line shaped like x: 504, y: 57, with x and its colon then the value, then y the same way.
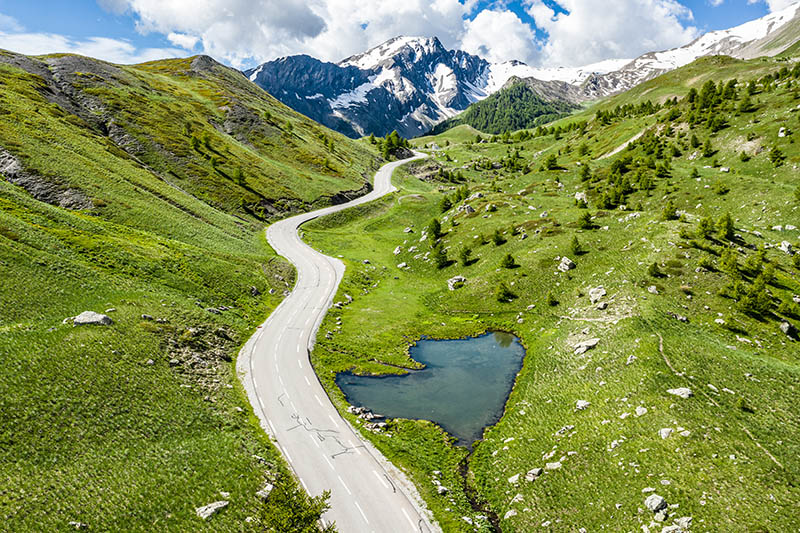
x: 408, y: 83
x: 411, y: 84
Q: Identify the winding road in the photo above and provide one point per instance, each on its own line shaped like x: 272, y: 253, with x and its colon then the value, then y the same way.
x: 367, y: 492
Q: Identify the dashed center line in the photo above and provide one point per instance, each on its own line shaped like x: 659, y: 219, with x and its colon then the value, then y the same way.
x: 334, y: 421
x: 344, y: 485
x: 383, y: 481
x: 360, y: 510
x: 319, y: 401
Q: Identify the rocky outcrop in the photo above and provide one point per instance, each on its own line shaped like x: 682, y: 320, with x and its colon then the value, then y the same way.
x: 45, y: 189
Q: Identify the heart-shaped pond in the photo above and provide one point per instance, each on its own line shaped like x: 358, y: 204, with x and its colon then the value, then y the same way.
x: 463, y: 387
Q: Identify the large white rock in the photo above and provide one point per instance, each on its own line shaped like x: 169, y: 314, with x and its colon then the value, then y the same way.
x: 90, y: 318
x: 207, y: 511
x: 585, y: 346
x: 596, y: 294
x: 655, y: 503
x: 681, y: 392
x: 664, y: 433
x: 566, y: 264
x: 580, y: 405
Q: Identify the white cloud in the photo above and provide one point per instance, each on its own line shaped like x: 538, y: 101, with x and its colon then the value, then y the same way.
x: 184, y: 41
x: 716, y: 3
x: 243, y: 32
x: 498, y: 36
x: 620, y: 29
x: 113, y: 50
x: 8, y: 23
x: 775, y: 5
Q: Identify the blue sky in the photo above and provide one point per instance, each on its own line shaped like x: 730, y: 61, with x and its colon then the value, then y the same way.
x: 243, y: 33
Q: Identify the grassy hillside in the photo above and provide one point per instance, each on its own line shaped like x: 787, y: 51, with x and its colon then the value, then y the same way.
x: 682, y: 229
x: 141, y: 192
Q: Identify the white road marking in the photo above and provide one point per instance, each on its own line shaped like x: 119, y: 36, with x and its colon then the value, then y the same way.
x: 298, y: 347
x: 328, y: 461
x: 271, y: 426
x: 303, y: 483
x: 334, y: 421
x: 261, y: 402
x: 307, y: 382
x: 293, y: 407
x: 413, y: 525
x: 314, y: 440
x: 343, y: 485
x: 362, y: 512
x: 299, y: 363
x: 281, y: 380
x: 255, y: 383
x: 356, y: 449
x: 383, y: 481
x: 319, y: 401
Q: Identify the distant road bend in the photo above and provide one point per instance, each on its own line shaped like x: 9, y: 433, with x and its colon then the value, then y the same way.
x: 367, y: 492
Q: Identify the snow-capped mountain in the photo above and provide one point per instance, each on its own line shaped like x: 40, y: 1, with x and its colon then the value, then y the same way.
x: 766, y: 36
x: 413, y: 83
x: 407, y: 83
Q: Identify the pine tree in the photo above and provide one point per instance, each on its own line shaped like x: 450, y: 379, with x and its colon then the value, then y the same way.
x: 439, y: 256
x: 445, y: 204
x: 435, y: 229
x: 725, y: 229
x: 508, y: 261
x: 465, y: 255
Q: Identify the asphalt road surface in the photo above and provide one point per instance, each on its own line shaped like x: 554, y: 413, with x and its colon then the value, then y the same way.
x: 325, y: 452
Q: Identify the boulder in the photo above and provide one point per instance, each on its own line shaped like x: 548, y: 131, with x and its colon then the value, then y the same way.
x: 456, y: 282
x: 664, y: 433
x: 553, y: 466
x: 655, y: 503
x: 580, y: 405
x: 514, y: 479
x: 441, y: 490
x: 402, y: 265
x: 566, y: 264
x: 408, y: 230
x: 90, y: 318
x: 596, y: 294
x: 782, y: 132
x: 466, y: 208
x: 398, y: 250
x: 533, y: 474
x: 510, y: 514
x: 585, y: 346
x: 786, y: 247
x: 788, y: 329
x: 264, y: 493
x: 207, y: 511
x: 681, y: 392
x: 641, y: 410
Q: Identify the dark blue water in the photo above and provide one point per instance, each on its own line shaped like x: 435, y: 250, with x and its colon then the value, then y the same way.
x: 463, y: 388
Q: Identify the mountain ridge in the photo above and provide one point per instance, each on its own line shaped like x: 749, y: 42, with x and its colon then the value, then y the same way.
x: 411, y: 84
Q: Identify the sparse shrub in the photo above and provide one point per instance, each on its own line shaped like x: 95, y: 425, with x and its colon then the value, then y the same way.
x: 575, y: 246
x: 585, y: 221
x: 654, y: 271
x: 552, y: 301
x: 497, y: 238
x: 435, y: 229
x: 439, y: 256
x: 465, y: 256
x: 503, y: 293
x: 706, y: 262
x: 669, y: 212
x: 721, y: 188
x: 725, y: 229
x: 508, y: 261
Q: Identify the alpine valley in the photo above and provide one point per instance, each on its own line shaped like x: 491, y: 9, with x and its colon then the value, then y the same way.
x: 411, y: 84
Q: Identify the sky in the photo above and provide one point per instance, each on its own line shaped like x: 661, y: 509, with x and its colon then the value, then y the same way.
x: 245, y: 33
